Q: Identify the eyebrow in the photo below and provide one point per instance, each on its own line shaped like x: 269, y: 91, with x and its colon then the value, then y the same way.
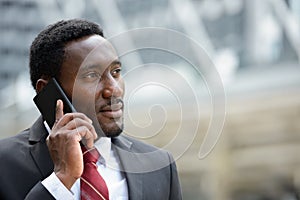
x: 115, y: 62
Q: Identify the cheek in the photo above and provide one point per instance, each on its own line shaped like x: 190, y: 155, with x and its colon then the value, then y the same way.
x: 83, y: 97
x: 122, y: 85
x: 84, y: 90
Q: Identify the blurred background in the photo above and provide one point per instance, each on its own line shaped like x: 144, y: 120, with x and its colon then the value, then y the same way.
x: 255, y: 47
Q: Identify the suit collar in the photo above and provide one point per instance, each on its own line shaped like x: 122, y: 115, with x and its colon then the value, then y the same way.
x: 38, y: 132
x: 124, y: 149
x: 38, y: 149
x: 122, y: 142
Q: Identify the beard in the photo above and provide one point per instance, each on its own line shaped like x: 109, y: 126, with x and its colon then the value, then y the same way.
x: 111, y: 130
x: 105, y: 125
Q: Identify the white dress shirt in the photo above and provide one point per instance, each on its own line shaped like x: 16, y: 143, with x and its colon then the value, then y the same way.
x: 109, y: 168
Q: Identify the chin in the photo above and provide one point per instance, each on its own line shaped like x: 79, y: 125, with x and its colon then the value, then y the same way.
x: 114, y: 134
x: 108, y: 127
x: 111, y: 132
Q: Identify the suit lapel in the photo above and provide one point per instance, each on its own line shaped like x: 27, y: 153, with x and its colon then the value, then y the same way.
x: 128, y: 158
x: 39, y: 150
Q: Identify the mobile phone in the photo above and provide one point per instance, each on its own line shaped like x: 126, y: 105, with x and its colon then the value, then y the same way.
x: 46, y: 100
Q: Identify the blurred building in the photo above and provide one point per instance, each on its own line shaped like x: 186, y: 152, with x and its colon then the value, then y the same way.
x: 255, y: 48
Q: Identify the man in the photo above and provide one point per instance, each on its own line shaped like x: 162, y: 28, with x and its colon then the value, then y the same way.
x: 40, y: 163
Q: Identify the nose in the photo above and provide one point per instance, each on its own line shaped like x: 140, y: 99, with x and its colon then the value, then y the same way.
x: 112, y: 88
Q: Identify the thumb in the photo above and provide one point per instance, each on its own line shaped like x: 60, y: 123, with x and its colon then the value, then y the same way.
x: 59, y: 112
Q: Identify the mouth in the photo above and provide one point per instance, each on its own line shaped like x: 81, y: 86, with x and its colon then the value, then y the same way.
x: 112, y: 111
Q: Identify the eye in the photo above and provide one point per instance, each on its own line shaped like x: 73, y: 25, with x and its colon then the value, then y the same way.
x: 92, y: 75
x: 116, y: 72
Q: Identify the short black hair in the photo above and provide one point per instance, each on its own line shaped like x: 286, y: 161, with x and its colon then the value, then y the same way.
x: 47, y: 51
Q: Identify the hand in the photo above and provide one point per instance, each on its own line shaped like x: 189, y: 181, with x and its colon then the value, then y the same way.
x: 64, y: 144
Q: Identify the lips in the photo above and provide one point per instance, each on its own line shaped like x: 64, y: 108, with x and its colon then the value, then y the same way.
x: 112, y: 111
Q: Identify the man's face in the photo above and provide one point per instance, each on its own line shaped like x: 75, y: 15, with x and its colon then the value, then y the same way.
x: 90, y: 76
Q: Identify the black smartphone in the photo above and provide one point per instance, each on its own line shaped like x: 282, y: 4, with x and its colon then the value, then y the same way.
x: 46, y: 100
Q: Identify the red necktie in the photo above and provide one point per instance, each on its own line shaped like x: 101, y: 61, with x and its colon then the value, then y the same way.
x: 92, y: 185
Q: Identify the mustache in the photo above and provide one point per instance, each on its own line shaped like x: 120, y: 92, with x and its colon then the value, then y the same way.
x: 115, y: 101
x: 112, y: 102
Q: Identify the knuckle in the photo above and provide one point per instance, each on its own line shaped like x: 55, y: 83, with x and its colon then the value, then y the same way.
x: 85, y: 129
x: 77, y: 120
x: 73, y: 137
x: 69, y: 115
x: 51, y: 137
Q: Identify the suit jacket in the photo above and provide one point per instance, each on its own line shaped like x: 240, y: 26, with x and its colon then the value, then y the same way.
x: 25, y: 161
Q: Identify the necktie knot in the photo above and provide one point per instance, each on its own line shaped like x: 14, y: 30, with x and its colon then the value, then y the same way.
x: 90, y: 155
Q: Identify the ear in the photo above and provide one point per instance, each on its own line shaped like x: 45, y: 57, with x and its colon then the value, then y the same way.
x: 40, y: 84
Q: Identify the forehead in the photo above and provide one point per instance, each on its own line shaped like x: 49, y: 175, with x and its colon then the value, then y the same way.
x: 88, y: 51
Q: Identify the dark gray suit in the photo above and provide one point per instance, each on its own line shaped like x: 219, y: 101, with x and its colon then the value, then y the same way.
x: 25, y: 162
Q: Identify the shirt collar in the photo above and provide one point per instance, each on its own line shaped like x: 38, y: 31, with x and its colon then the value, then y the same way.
x: 103, y: 145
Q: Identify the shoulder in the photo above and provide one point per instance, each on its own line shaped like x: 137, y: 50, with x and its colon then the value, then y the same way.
x: 25, y: 139
x: 14, y: 142
x: 138, y: 146
x: 14, y: 150
x: 35, y: 133
x: 140, y: 157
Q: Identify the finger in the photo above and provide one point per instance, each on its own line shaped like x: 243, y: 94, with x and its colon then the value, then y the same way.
x: 59, y: 112
x: 77, y: 122
x: 70, y: 116
x: 85, y: 135
x: 90, y: 136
